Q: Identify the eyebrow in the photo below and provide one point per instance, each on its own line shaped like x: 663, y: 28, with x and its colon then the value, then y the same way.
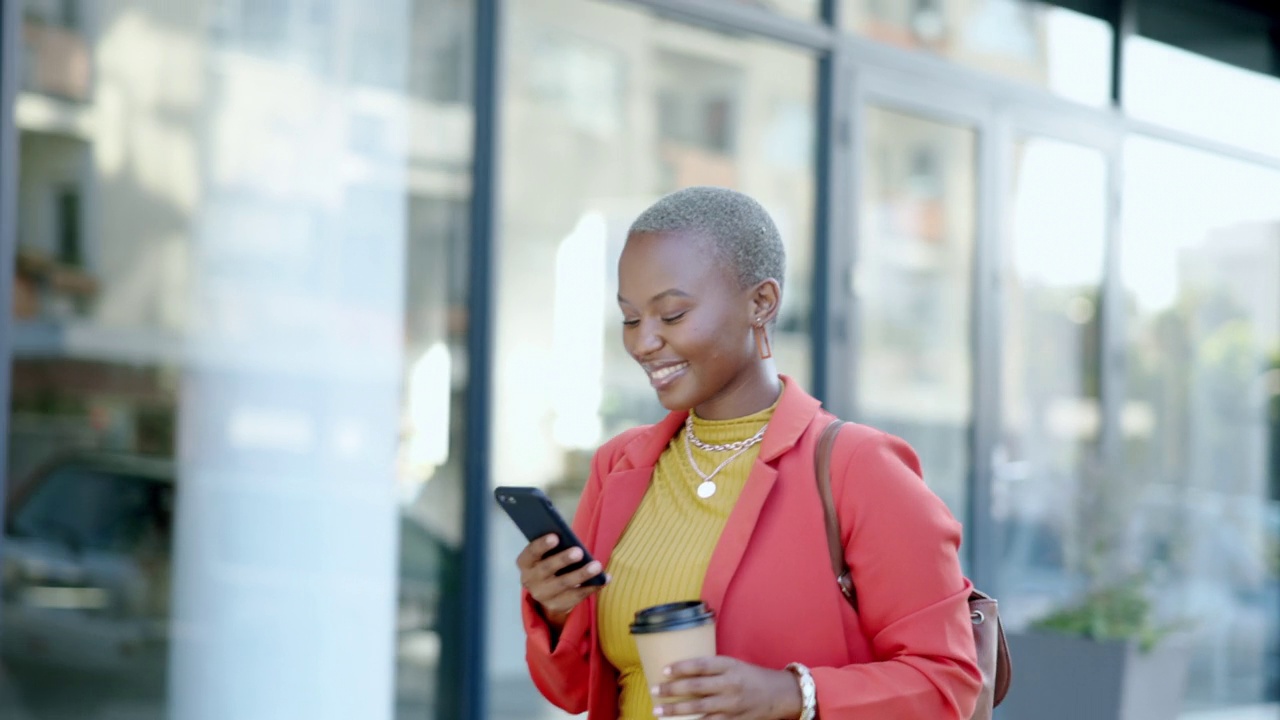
x: 673, y: 292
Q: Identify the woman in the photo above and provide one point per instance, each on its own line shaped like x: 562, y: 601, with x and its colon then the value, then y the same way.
x: 719, y: 502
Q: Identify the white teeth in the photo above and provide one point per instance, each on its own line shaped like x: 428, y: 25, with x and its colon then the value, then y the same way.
x: 666, y: 372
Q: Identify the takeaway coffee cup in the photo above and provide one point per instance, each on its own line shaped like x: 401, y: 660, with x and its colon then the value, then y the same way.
x: 665, y: 634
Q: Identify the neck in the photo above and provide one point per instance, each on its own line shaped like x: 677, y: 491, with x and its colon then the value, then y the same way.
x: 751, y: 392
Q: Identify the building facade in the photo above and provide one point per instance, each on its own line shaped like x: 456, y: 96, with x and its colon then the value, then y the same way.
x: 295, y: 283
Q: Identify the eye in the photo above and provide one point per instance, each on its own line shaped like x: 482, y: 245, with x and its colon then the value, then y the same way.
x: 630, y: 323
x: 674, y: 318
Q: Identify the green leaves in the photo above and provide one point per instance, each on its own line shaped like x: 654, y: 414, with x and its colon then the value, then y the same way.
x: 1118, y: 612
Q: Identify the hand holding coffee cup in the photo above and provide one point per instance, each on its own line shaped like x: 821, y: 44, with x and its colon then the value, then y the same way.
x: 677, y: 646
x: 666, y: 634
x: 557, y: 594
x: 722, y: 686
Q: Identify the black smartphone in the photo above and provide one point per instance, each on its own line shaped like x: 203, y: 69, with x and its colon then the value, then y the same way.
x: 534, y: 514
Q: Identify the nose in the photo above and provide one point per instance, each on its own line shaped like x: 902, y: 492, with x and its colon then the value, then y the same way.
x: 645, y: 340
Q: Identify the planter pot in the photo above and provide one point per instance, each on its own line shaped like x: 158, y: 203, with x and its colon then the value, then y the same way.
x: 1059, y: 677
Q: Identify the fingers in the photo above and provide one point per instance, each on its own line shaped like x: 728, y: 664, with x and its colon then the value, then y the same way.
x: 695, y: 677
x: 534, y: 551
x: 535, y: 568
x: 713, y: 665
x: 575, y: 595
x: 703, y: 687
x: 582, y: 574
x: 545, y: 572
x: 691, y: 687
x: 713, y: 706
x: 562, y: 594
x: 557, y: 594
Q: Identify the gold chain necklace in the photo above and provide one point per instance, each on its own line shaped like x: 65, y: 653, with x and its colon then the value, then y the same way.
x: 707, y: 487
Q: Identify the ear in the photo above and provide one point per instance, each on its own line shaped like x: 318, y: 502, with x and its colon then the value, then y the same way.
x: 765, y: 299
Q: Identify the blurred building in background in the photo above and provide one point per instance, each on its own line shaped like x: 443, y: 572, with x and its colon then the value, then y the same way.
x: 295, y: 283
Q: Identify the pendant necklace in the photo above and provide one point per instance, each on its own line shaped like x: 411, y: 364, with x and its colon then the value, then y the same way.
x: 707, y: 487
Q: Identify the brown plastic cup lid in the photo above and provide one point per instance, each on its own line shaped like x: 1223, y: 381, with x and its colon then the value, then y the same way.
x: 672, y: 616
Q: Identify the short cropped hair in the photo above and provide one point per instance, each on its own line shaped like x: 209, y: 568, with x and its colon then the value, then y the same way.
x: 738, y: 226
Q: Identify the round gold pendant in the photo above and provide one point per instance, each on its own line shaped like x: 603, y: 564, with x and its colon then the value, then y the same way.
x: 706, y: 489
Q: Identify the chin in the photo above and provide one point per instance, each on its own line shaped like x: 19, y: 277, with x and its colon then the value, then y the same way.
x: 671, y: 401
x: 676, y: 401
x: 674, y: 406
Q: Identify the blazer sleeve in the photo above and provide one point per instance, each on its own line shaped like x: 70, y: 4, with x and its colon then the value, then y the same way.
x: 562, y: 673
x: 902, y: 545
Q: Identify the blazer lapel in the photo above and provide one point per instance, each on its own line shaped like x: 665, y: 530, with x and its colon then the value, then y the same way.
x: 737, y: 533
x: 621, y: 495
x: 626, y: 483
x: 625, y: 486
x: 796, y: 409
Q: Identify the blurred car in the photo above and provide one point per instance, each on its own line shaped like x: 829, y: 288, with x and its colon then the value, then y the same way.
x: 86, y: 575
x: 86, y: 565
x: 84, y: 595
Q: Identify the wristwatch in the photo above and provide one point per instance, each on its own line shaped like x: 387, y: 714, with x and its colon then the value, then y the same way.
x: 808, y: 692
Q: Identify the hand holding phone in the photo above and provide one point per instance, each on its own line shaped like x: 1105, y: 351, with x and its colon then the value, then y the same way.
x: 555, y: 567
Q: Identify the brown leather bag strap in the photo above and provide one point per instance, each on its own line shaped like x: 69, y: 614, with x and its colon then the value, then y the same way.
x: 822, y: 467
x: 994, y: 662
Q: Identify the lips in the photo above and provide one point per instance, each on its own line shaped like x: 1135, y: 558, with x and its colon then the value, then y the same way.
x: 662, y: 375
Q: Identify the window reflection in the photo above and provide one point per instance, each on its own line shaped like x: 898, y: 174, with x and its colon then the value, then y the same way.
x: 914, y: 281
x: 1063, y: 51
x: 1201, y: 269
x: 608, y: 108
x: 1046, y: 469
x: 238, y: 362
x: 1210, y: 98
x: 804, y: 9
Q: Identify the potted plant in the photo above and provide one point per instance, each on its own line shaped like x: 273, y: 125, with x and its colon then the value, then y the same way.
x: 1105, y: 655
x: 1102, y: 658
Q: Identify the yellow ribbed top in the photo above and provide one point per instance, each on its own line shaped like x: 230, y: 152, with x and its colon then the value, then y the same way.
x: 663, y: 555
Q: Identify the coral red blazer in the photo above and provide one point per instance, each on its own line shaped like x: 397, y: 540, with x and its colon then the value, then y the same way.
x: 907, y: 654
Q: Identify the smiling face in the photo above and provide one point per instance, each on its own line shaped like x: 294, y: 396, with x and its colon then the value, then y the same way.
x: 688, y: 322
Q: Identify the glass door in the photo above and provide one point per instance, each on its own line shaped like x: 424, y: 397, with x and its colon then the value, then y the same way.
x: 1053, y: 524
x: 917, y: 233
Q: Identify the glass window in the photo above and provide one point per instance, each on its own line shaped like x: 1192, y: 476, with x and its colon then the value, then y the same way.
x: 1061, y: 50
x: 87, y: 508
x: 914, y: 284
x: 1210, y: 98
x: 1201, y: 270
x: 607, y: 109
x: 238, y: 373
x: 1047, y: 458
x: 803, y: 9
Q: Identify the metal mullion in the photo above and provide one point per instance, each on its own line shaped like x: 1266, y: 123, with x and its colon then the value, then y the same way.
x: 1196, y: 142
x: 912, y: 78
x: 724, y: 16
x: 928, y: 99
x: 994, y: 138
x: 824, y: 228
x: 935, y: 101
x: 829, y: 157
x: 831, y: 12
x: 10, y: 56
x: 1124, y: 25
x: 489, y: 52
x: 915, y: 67
x: 836, y: 157
x: 1105, y: 137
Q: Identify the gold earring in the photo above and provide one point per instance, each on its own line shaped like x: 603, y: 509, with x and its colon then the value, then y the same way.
x: 762, y: 341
